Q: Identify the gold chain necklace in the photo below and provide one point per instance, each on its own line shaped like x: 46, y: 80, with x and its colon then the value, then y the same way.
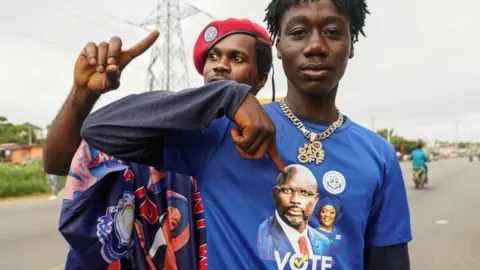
x: 313, y: 150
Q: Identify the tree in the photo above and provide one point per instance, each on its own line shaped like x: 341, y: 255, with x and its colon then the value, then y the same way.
x: 463, y: 145
x: 401, y: 144
x: 10, y: 133
x: 385, y: 132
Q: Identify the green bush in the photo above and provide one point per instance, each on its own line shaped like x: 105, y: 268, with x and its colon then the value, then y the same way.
x: 18, y: 180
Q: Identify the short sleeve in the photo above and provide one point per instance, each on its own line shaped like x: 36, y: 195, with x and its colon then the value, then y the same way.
x: 189, y: 152
x: 96, y: 184
x: 389, y: 219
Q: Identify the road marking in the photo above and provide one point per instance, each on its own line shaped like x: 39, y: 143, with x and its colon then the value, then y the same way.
x: 441, y: 222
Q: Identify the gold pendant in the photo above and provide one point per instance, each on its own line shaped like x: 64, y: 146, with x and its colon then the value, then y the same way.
x: 311, y: 152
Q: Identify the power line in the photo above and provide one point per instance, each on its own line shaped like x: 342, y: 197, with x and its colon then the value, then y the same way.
x: 168, y: 68
x: 170, y: 71
x: 111, y: 16
x: 73, y: 15
x: 61, y: 46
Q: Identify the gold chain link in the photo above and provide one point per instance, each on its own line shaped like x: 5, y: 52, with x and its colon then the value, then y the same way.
x: 311, y: 136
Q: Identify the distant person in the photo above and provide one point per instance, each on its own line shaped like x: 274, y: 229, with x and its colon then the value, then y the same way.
x: 419, y: 160
x: 52, y: 181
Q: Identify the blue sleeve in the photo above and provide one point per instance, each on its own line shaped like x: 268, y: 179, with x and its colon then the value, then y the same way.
x: 135, y: 128
x: 389, y: 220
x: 189, y: 152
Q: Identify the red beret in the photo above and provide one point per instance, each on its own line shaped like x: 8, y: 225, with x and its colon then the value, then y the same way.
x: 218, y: 30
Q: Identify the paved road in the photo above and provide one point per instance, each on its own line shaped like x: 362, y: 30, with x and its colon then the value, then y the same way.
x: 453, y: 195
x: 29, y: 238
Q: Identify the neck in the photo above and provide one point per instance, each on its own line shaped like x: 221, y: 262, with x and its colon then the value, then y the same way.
x: 318, y: 108
x: 327, y: 229
x: 300, y: 228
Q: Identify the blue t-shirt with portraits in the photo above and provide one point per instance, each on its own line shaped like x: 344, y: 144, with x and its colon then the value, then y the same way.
x: 318, y: 216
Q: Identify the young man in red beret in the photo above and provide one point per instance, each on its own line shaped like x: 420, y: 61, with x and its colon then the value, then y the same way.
x: 163, y: 209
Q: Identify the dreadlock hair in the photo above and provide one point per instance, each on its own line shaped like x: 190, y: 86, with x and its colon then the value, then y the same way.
x: 264, y: 56
x: 356, y: 10
x: 263, y: 52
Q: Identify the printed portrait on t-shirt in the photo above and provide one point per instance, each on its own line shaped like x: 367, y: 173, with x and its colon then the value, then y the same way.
x: 286, y: 236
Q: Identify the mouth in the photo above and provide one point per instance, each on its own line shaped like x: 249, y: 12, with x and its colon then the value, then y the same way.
x: 316, y: 72
x: 315, y: 75
x: 316, y: 66
x: 295, y: 211
x: 217, y: 78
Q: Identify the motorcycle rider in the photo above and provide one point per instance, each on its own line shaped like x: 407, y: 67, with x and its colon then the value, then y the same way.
x: 419, y: 160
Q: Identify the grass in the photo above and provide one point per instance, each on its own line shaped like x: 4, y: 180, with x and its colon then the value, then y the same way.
x: 24, y: 180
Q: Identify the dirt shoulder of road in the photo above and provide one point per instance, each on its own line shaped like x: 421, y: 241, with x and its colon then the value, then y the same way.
x: 26, y: 198
x: 30, y: 198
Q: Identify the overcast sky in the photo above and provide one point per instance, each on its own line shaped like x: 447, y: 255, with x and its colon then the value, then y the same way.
x: 417, y: 70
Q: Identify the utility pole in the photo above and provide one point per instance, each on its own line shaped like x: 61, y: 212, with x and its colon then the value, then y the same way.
x: 457, y: 123
x: 167, y: 69
x: 30, y: 139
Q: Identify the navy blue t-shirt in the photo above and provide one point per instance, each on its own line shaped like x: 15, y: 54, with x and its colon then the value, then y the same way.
x: 122, y: 215
x: 321, y: 219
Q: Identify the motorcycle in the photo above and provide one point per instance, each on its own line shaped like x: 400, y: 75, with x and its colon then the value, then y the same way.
x: 419, y: 178
x: 470, y: 158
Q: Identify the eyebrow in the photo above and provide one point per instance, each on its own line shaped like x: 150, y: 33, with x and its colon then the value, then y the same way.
x: 304, y: 20
x: 233, y: 51
x: 296, y: 19
x: 334, y: 19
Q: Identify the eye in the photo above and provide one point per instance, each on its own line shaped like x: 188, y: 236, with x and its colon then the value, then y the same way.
x: 333, y: 33
x: 212, y: 56
x: 298, y: 33
x: 238, y: 59
x: 306, y: 193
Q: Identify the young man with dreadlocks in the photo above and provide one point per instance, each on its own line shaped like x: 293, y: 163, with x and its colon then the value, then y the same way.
x: 341, y: 202
x: 173, y: 234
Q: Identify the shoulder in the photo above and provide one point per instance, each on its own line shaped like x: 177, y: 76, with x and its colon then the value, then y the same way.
x: 314, y: 234
x: 265, y: 229
x: 266, y: 224
x: 273, y: 110
x: 379, y: 145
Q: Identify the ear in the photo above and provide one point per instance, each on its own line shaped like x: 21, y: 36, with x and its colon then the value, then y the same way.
x: 352, y: 50
x: 272, y: 192
x: 277, y: 46
x: 317, y: 197
x: 261, y: 81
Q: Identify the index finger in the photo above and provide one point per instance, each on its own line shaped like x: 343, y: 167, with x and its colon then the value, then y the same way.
x: 140, y: 47
x: 275, y: 157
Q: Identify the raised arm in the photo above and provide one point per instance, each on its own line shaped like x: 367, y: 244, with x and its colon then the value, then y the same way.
x: 133, y: 127
x: 97, y: 71
x: 63, y: 137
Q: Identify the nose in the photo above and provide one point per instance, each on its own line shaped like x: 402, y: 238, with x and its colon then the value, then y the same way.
x: 294, y: 198
x: 222, y: 65
x: 317, y: 46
